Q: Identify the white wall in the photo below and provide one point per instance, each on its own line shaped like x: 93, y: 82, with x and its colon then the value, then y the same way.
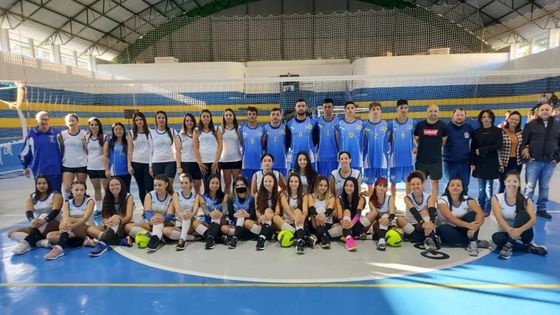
x: 198, y: 71
x: 259, y: 69
x: 548, y: 59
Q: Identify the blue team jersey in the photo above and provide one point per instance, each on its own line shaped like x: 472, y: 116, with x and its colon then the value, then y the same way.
x: 252, y: 146
x: 41, y: 152
x: 402, y: 143
x: 349, y: 140
x: 302, y: 138
x: 118, y: 162
x: 247, y: 204
x: 376, y: 144
x: 327, y: 149
x: 276, y: 144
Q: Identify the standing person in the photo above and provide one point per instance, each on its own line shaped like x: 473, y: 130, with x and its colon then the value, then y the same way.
x: 402, y: 146
x: 430, y: 135
x: 40, y: 153
x: 509, y: 156
x: 457, y: 149
x: 230, y: 159
x: 74, y: 155
x: 376, y: 146
x: 162, y: 159
x: 207, y: 143
x: 95, y: 167
x: 300, y: 133
x: 139, y: 154
x: 184, y: 152
x: 487, y: 140
x: 540, y: 147
x: 349, y: 135
x: 252, y: 140
x: 115, y: 157
x: 275, y: 141
x: 327, y: 149
x: 338, y: 176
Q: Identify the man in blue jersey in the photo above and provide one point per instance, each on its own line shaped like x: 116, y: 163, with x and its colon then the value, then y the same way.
x: 252, y: 142
x: 300, y: 133
x: 41, y: 154
x: 275, y: 141
x: 349, y: 135
x: 327, y: 150
x: 376, y: 146
x: 402, y: 146
x: 457, y: 149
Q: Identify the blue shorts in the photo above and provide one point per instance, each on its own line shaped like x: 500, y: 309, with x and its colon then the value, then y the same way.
x: 399, y: 174
x: 325, y: 168
x: 371, y: 174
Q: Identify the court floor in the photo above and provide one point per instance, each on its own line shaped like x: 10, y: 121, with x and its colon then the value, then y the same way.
x: 277, y: 281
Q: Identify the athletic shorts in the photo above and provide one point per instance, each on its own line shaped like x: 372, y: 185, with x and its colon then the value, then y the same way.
x: 231, y: 165
x: 433, y: 170
x: 94, y: 174
x: 74, y: 170
x: 399, y: 174
x: 192, y: 168
x: 371, y: 174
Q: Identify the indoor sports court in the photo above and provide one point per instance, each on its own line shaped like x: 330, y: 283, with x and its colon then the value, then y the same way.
x: 110, y: 60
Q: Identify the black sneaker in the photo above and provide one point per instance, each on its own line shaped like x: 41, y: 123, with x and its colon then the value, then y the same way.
x: 153, y: 244
x: 430, y: 244
x: 537, y: 249
x: 224, y: 239
x: 300, y: 244
x: 181, y: 245
x: 210, y: 242
x: 311, y: 240
x: 437, y: 240
x: 506, y: 251
x: 325, y: 242
x: 381, y: 244
x: 261, y: 242
x: 544, y: 214
x: 232, y: 242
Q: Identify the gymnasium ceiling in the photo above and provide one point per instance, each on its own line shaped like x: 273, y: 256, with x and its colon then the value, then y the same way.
x: 105, y: 28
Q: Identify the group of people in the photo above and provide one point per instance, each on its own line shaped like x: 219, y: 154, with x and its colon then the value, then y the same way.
x: 318, y: 200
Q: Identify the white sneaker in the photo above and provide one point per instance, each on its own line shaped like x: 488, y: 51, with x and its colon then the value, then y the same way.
x: 22, y: 248
x: 44, y: 243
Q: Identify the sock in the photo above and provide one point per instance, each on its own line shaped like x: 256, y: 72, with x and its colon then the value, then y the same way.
x: 408, y: 229
x: 217, y: 221
x: 43, y: 227
x: 63, y: 239
x: 240, y: 222
x: 300, y: 234
x: 201, y: 229
x: 288, y: 227
x: 157, y: 230
x: 18, y: 236
x: 256, y: 229
x: 231, y: 232
x: 237, y: 232
x: 115, y: 228
x: 335, y: 231
x: 185, y: 227
x: 34, y: 237
x: 175, y: 235
x: 365, y: 221
x: 100, y: 236
x: 98, y: 205
x: 346, y: 232
x: 135, y: 230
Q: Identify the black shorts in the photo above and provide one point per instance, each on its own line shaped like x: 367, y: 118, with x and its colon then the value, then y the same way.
x: 433, y: 170
x: 74, y: 170
x: 231, y: 165
x: 94, y: 174
x: 192, y: 168
x: 167, y: 168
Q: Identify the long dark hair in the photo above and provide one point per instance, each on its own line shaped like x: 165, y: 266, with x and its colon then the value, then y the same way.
x: 184, y: 127
x: 447, y: 194
x: 374, y: 199
x: 310, y: 173
x: 235, y: 123
x: 347, y: 204
x: 299, y: 191
x: 109, y: 200
x: 100, y: 136
x: 245, y: 182
x: 165, y: 178
x: 520, y: 200
x: 210, y: 124
x: 36, y: 195
x: 262, y: 197
x: 167, y: 129
x: 219, y: 193
x: 490, y: 113
x: 518, y: 127
x: 114, y: 138
x: 135, y: 128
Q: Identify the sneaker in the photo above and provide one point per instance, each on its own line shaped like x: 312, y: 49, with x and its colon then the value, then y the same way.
x: 311, y: 240
x: 22, y: 248
x: 325, y: 242
x: 300, y: 244
x: 483, y: 244
x: 381, y: 245
x: 261, y: 242
x: 126, y: 241
x: 537, y: 249
x: 437, y: 240
x: 210, y: 242
x: 472, y: 249
x: 350, y: 243
x: 224, y: 239
x: 430, y: 244
x: 153, y: 244
x: 43, y: 243
x: 99, y: 249
x: 232, y: 242
x: 505, y: 252
x: 363, y: 236
x: 544, y: 214
x: 181, y: 245
x: 55, y: 253
x: 88, y: 242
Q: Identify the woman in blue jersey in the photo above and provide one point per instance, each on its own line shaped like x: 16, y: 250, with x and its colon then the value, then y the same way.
x: 42, y: 209
x: 115, y: 155
x: 163, y: 139
x: 322, y: 210
x: 183, y: 207
x: 294, y: 210
x: 95, y: 168
x: 184, y: 152
x: 240, y: 208
x: 74, y: 155
x: 338, y: 176
x: 306, y: 172
x: 139, y: 152
x: 212, y: 203
x: 76, y: 218
x: 350, y: 205
x: 267, y: 205
x: 231, y: 157
x: 118, y: 206
x: 267, y: 161
x: 383, y: 205
x: 207, y: 144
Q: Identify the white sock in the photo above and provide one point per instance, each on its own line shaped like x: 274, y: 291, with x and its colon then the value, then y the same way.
x: 365, y: 221
x: 268, y: 222
x: 240, y: 222
x: 299, y: 226
x: 174, y: 235
x: 288, y: 227
x: 185, y: 227
x: 115, y: 228
x: 256, y: 229
x: 335, y: 231
x: 231, y: 232
x: 408, y: 228
x: 18, y: 236
x: 217, y: 221
x: 135, y: 230
x: 98, y: 205
x: 201, y: 229
x: 383, y: 227
x: 157, y: 230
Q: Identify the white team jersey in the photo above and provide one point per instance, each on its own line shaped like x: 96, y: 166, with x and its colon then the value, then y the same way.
x: 75, y: 154
x: 260, y: 174
x: 422, y: 205
x: 208, y: 145
x: 187, y: 152
x: 78, y: 211
x: 385, y: 206
x: 95, y: 154
x: 293, y: 203
x: 142, y: 148
x: 163, y: 148
x: 321, y: 207
x: 339, y: 180
x: 508, y: 211
x: 117, y: 207
x: 160, y: 206
x: 42, y: 206
x: 231, y: 151
x: 457, y: 211
x: 186, y: 202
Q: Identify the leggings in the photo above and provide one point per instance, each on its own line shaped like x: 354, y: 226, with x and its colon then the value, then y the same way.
x: 143, y: 179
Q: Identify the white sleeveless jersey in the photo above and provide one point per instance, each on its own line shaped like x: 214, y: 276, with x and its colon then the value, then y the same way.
x: 339, y: 180
x: 508, y: 211
x: 304, y: 181
x: 422, y: 205
x: 78, y: 211
x: 117, y: 207
x: 44, y: 206
x: 187, y: 151
x: 293, y: 203
x: 160, y: 206
x: 95, y: 154
x: 208, y: 145
x: 385, y: 206
x: 75, y: 154
x: 186, y: 202
x: 457, y: 211
x: 321, y: 207
x: 163, y: 148
x: 231, y: 151
x: 142, y: 148
x: 260, y: 175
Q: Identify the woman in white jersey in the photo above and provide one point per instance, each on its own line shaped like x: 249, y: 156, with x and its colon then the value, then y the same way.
x: 155, y: 216
x: 384, y: 206
x: 349, y: 206
x: 338, y: 176
x: 305, y: 170
x: 95, y: 167
x: 118, y: 206
x: 267, y: 204
x: 163, y: 156
x: 76, y: 217
x: 139, y: 152
x: 74, y: 155
x: 230, y: 160
x: 207, y: 144
x: 267, y: 160
x: 322, y: 206
x: 459, y: 217
x: 516, y: 217
x: 184, y: 152
x: 293, y: 212
x: 42, y: 209
x: 183, y: 208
